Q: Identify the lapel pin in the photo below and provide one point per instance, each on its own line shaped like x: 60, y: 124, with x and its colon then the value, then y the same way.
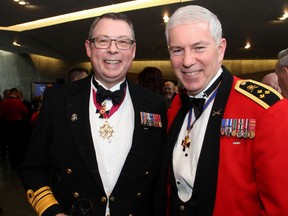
x: 74, y: 117
x: 216, y: 112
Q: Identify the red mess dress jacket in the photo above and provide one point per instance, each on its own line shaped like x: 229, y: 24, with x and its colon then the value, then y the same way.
x: 242, y: 168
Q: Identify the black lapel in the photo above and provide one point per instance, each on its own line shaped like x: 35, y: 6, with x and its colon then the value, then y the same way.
x: 207, y: 170
x: 171, y: 140
x: 77, y: 104
x: 136, y: 153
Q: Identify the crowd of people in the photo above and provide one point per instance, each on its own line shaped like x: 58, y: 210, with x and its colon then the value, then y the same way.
x: 17, y: 116
x: 104, y: 145
x: 152, y: 78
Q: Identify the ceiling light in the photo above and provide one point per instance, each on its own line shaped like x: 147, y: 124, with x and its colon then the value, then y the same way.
x: 165, y: 18
x: 90, y: 13
x: 284, y: 16
x: 247, y: 46
x: 22, y: 2
x: 16, y: 44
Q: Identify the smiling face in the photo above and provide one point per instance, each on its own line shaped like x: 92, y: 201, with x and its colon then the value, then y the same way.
x: 194, y: 55
x: 111, y: 65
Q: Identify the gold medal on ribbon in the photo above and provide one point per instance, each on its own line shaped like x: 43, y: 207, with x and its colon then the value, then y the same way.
x: 106, y: 131
x: 186, y: 142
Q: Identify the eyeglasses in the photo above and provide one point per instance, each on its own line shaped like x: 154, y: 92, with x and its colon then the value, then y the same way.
x: 104, y: 43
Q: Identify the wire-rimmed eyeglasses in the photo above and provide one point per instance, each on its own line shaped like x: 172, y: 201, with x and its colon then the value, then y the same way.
x: 104, y: 43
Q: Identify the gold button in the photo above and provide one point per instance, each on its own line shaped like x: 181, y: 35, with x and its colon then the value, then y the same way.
x: 182, y: 207
x: 112, y: 199
x: 75, y: 194
x: 139, y: 195
x: 103, y: 199
x: 68, y: 171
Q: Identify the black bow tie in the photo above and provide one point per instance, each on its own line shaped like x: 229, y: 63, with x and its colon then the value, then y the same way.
x: 196, y: 103
x: 102, y: 94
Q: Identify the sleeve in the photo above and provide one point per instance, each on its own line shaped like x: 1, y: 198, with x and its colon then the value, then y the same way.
x: 270, y: 157
x: 35, y: 169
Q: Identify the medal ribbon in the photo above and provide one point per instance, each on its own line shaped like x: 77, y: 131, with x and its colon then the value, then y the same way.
x: 210, y: 99
x: 113, y: 109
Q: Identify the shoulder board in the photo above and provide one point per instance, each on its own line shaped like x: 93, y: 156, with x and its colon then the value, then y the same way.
x: 262, y: 94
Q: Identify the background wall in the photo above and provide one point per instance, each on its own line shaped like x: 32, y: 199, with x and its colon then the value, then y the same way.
x: 20, y: 70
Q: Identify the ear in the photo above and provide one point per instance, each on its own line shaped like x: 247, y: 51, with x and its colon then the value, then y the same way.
x: 221, y: 49
x: 134, y: 50
x: 285, y: 69
x: 88, y: 48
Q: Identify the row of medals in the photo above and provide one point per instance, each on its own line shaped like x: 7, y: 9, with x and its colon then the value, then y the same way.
x: 241, y: 128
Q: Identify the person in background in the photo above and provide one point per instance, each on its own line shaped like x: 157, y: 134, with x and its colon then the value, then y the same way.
x: 98, y: 139
x: 169, y: 91
x: 76, y: 73
x: 282, y: 71
x: 26, y: 124
x: 13, y: 113
x: 37, y: 102
x: 151, y: 78
x: 6, y: 94
x: 3, y: 135
x: 25, y: 101
x: 271, y: 79
x: 226, y: 150
x: 2, y: 149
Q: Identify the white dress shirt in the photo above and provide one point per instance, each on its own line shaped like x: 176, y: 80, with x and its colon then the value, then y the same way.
x: 111, y: 153
x: 185, y: 162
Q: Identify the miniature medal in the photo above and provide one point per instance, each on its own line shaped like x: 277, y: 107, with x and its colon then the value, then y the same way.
x: 186, y: 142
x: 234, y: 130
x: 106, y: 131
x: 252, y: 128
x: 102, y: 111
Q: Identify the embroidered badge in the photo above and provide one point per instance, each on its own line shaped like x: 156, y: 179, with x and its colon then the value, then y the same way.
x: 264, y: 95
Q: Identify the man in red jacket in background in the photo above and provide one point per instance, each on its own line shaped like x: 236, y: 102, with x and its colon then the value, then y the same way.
x: 226, y: 150
x: 12, y: 112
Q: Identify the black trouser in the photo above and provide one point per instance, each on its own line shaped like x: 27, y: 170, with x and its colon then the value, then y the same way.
x: 16, y: 143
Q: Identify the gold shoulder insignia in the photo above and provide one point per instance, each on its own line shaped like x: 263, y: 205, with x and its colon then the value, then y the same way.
x: 262, y: 94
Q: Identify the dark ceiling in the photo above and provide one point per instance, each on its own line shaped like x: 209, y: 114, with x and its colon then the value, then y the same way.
x: 242, y: 20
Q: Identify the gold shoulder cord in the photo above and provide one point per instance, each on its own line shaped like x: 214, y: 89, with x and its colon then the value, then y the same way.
x: 41, y: 199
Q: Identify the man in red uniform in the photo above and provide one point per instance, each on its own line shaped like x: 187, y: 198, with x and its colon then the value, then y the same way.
x: 226, y: 150
x: 12, y: 112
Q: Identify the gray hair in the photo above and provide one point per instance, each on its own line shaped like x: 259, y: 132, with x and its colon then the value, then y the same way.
x: 113, y: 16
x: 193, y: 13
x: 283, y: 58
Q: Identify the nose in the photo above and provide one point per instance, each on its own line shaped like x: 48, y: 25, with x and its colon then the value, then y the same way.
x: 113, y: 48
x: 189, y: 58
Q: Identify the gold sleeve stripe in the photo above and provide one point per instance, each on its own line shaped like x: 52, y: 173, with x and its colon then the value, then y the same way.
x: 37, y: 198
x: 41, y: 199
x: 45, y: 203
